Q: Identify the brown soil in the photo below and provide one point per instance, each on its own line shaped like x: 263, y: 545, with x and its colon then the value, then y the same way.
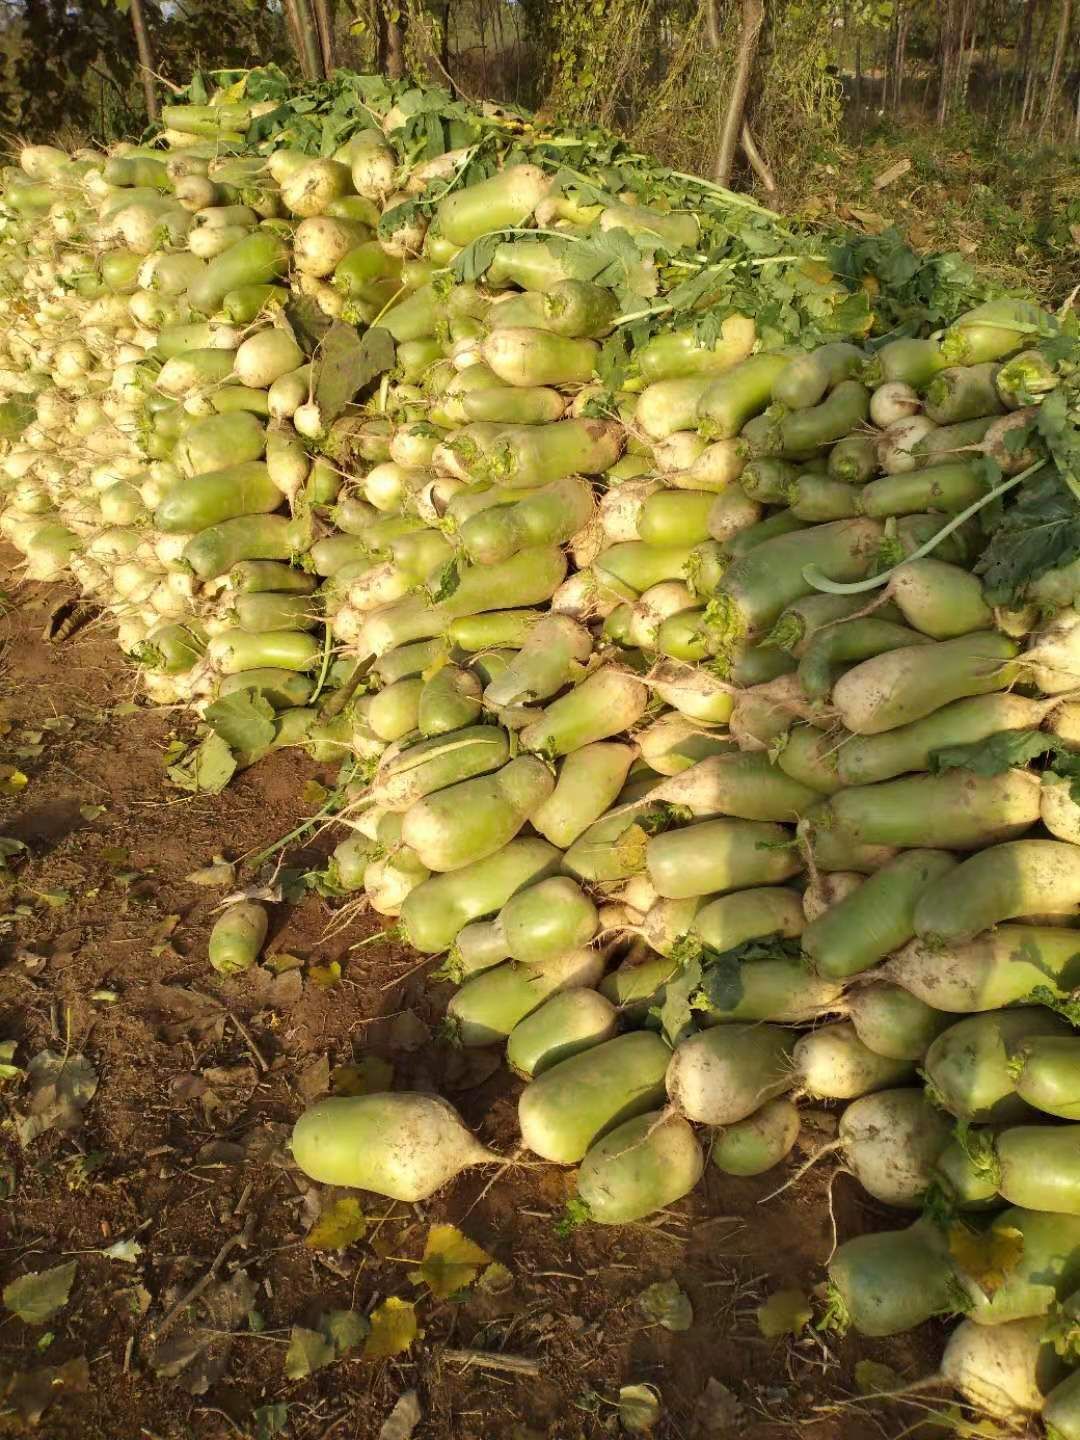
x: 179, y: 1148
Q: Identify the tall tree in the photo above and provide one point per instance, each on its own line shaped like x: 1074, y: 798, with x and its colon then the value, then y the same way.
x: 731, y: 119
x: 1055, y: 65
x: 146, y: 58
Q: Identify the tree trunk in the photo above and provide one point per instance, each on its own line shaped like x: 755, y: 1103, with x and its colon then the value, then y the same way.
x: 324, y: 28
x: 395, y: 43
x: 305, y: 40
x: 1055, y: 65
x: 146, y: 61
x: 1027, y: 110
x: 945, y: 41
x: 758, y: 163
x: 444, y: 47
x: 753, y: 17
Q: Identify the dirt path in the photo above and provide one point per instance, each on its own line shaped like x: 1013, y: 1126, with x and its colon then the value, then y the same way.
x: 102, y: 954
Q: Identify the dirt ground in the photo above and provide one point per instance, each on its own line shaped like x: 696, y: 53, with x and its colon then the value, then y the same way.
x: 185, y: 1332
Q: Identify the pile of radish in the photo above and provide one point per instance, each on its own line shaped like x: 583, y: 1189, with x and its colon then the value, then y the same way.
x: 674, y: 706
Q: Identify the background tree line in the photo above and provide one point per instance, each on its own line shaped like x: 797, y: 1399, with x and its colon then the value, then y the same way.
x: 720, y: 84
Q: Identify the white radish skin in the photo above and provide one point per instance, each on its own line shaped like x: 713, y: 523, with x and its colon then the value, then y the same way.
x: 891, y: 1142
x: 721, y: 1076
x: 893, y: 402
x: 266, y: 357
x: 1054, y: 654
x: 404, y: 1146
x: 833, y: 1064
x: 1004, y: 1371
x: 897, y: 443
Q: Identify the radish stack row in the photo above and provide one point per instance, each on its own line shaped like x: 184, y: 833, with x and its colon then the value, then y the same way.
x: 689, y: 734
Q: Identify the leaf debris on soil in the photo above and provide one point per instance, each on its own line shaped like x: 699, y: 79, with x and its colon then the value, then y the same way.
x: 61, y: 1087
x: 34, y: 1297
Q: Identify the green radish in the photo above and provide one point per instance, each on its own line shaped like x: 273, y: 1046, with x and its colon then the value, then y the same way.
x: 1061, y: 1411
x: 549, y: 515
x: 1048, y: 1268
x: 694, y: 692
x: 614, y: 847
x: 477, y: 947
x: 391, y: 879
x: 911, y: 362
x: 998, y: 967
x: 669, y: 406
x: 1038, y: 1167
x: 962, y: 392
x: 404, y: 1146
x: 216, y: 550
x: 894, y: 1280
x: 864, y: 759
x: 970, y: 1066
x: 409, y: 660
x: 804, y: 618
x: 808, y: 756
x: 437, y: 762
x: 248, y: 302
x: 608, y: 701
x: 675, y: 517
x: 504, y: 201
x: 436, y: 910
x: 743, y: 786
x: 195, y: 370
x: 891, y: 1141
x: 808, y: 377
x: 234, y: 651
x: 769, y: 480
x: 948, y: 487
x: 268, y: 611
x: 579, y: 308
x: 469, y: 821
x: 282, y: 688
x: 265, y: 356
x: 800, y: 432
x: 760, y: 585
x: 553, y: 653
x: 853, y: 459
x: 1048, y: 1075
x: 637, y: 981
x: 778, y: 988
x: 219, y: 441
x: 970, y: 811
x: 489, y: 1006
x: 892, y: 1022
x: 671, y: 230
x: 636, y: 567
x: 642, y: 1166
x: 904, y: 685
x: 832, y: 1063
x: 514, y: 405
x: 531, y: 264
x: 941, y: 600
x: 993, y: 330
x: 1025, y: 379
x: 350, y: 860
x: 819, y: 498
x: 739, y: 394
x: 720, y: 1076
x: 172, y: 649
x: 450, y: 700
x: 394, y: 711
x: 257, y: 259
x: 719, y: 855
x: 964, y: 1171
x: 572, y: 1105
x: 496, y: 631
x: 1024, y: 877
x: 588, y: 781
x: 675, y: 742
x: 681, y: 352
x: 877, y: 918
x: 836, y: 648
x: 758, y: 1143
x: 207, y: 499
x: 237, y: 937
x: 231, y: 398
x: 565, y: 1025
x: 524, y: 357
x: 1003, y: 1371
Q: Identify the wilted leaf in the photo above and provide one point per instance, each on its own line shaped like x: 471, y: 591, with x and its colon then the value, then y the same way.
x: 987, y: 1257
x: 35, y: 1297
x: 91, y: 812
x: 451, y: 1261
x: 207, y: 769
x: 221, y: 872
x: 325, y: 977
x: 61, y: 1087
x: 313, y: 796
x: 126, y: 1250
x: 197, y: 1352
x: 788, y: 1312
x: 667, y: 1304
x: 344, y: 1329
x: 393, y: 1329
x: 186, y: 1015
x: 717, y: 1412
x: 465, y: 1068
x: 639, y: 1409
x: 245, y: 721
x: 367, y: 1076
x: 403, y: 1419
x: 30, y: 1393
x: 8, y: 1069
x: 873, y: 1378
x: 270, y: 1420
x: 281, y: 962
x: 341, y: 1224
x: 346, y: 363
x: 308, y: 1351
x: 496, y: 1279
x: 12, y: 781
x: 407, y: 1032
x: 314, y: 1079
